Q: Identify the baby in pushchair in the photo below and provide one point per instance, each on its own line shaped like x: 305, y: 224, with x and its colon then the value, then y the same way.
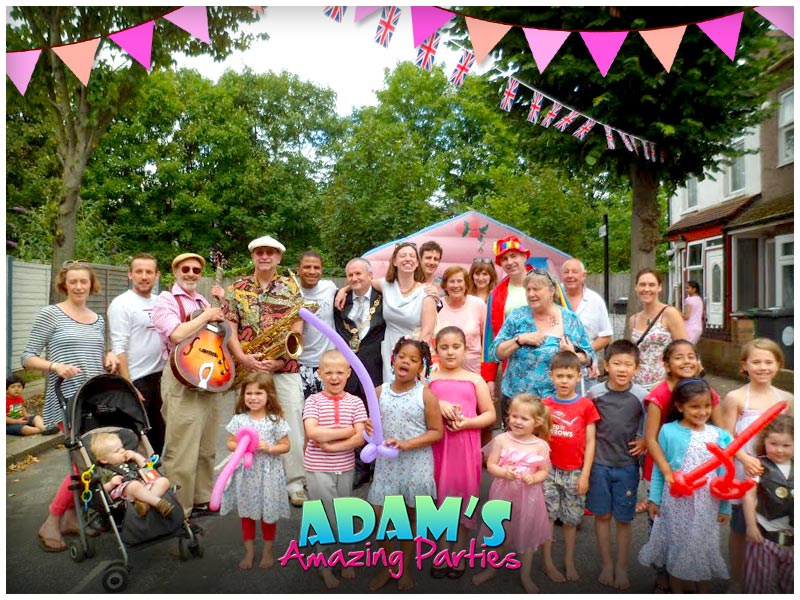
x: 126, y: 474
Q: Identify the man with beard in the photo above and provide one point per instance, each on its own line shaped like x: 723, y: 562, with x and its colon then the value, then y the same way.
x: 190, y: 440
x: 136, y: 342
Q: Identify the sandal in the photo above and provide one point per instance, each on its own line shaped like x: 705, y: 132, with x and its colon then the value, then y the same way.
x: 46, y: 544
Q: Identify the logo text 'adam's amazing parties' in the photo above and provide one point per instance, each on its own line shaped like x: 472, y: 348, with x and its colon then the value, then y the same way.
x: 356, y: 521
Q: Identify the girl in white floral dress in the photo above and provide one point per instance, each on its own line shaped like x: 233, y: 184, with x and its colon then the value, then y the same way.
x: 685, y: 534
x: 258, y: 493
x: 412, y: 422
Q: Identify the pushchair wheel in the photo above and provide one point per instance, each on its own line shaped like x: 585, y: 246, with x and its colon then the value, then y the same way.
x: 183, y: 549
x: 115, y: 578
x: 90, y: 550
x: 195, y: 549
x: 77, y: 551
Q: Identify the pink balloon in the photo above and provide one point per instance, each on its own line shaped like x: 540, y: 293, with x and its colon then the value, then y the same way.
x: 247, y: 444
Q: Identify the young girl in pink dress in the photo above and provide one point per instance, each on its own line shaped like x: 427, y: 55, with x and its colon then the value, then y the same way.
x: 519, y: 460
x: 466, y: 406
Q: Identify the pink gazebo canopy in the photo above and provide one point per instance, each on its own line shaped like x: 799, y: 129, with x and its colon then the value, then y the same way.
x: 468, y: 236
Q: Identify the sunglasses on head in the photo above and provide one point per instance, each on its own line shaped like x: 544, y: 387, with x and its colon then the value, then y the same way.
x: 482, y: 260
x: 545, y: 274
x: 195, y: 270
x: 412, y: 244
x: 68, y: 263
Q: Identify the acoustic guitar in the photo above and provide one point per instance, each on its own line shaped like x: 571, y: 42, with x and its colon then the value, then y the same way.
x: 203, y: 360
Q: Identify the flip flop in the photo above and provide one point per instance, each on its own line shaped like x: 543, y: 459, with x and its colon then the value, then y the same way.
x: 44, y: 543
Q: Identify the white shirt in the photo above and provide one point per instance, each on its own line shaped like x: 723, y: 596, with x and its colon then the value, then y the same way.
x: 315, y: 343
x: 593, y: 314
x: 354, y: 313
x: 132, y: 333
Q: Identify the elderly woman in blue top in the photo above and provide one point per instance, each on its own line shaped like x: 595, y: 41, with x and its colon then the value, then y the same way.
x: 532, y: 334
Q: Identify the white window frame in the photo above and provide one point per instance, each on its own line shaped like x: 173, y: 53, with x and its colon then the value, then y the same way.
x: 781, y: 260
x: 737, y: 164
x: 785, y: 127
x: 695, y: 270
x: 691, y: 195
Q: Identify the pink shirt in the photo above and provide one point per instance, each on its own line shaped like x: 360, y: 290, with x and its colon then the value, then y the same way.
x: 470, y: 318
x: 167, y: 315
x: 694, y: 324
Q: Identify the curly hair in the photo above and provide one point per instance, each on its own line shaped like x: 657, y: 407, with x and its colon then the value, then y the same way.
x: 422, y: 347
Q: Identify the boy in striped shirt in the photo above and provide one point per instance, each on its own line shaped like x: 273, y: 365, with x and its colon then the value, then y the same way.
x: 334, y: 421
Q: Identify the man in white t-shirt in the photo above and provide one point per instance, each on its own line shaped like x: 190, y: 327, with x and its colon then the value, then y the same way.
x: 591, y: 310
x: 136, y: 342
x: 315, y: 343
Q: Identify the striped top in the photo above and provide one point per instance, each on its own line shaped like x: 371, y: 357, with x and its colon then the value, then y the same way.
x: 69, y: 342
x: 342, y: 411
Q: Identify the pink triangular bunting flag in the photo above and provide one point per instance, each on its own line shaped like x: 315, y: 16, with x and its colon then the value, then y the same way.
x: 664, y: 43
x: 137, y: 41
x: 79, y: 58
x: 484, y: 36
x: 362, y: 12
x: 724, y: 32
x: 544, y: 44
x: 426, y: 20
x: 780, y: 16
x: 20, y: 66
x: 193, y: 19
x: 604, y: 47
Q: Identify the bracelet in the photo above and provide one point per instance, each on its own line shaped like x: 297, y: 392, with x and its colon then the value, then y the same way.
x: 517, y: 342
x: 50, y: 368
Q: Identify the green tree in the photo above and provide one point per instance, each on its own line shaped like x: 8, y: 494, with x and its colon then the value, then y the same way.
x: 691, y: 113
x: 199, y: 165
x: 80, y: 115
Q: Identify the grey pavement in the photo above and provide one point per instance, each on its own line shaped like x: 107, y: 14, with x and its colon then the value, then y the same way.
x: 158, y: 569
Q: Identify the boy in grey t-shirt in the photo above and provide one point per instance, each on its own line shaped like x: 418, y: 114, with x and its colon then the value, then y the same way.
x: 615, y: 473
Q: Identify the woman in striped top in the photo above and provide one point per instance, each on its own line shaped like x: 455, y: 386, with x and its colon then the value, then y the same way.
x: 74, y: 337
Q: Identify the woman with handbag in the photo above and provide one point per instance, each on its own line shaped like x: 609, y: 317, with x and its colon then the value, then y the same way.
x: 653, y: 328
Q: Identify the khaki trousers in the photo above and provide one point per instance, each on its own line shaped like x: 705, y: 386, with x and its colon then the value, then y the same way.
x: 190, y: 439
x: 290, y: 396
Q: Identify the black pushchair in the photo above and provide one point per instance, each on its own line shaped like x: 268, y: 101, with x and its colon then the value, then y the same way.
x: 109, y: 403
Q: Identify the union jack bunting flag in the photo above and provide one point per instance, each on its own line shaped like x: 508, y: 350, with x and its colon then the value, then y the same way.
x: 565, y: 122
x: 653, y: 152
x: 581, y: 132
x: 646, y: 148
x: 536, y: 107
x: 551, y: 115
x: 462, y: 68
x: 509, y: 94
x: 635, y: 147
x: 335, y: 12
x: 427, y: 52
x: 626, y: 140
x: 386, y: 26
x: 610, y: 137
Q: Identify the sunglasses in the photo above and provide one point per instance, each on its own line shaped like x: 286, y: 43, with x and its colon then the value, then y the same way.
x: 195, y: 270
x: 68, y: 263
x: 412, y: 244
x: 545, y: 274
x: 482, y: 261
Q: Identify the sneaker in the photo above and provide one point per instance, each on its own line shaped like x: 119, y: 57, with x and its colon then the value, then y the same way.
x: 298, y: 497
x: 52, y: 430
x: 203, y: 510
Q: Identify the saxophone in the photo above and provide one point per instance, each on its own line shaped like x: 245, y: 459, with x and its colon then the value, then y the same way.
x: 278, y: 339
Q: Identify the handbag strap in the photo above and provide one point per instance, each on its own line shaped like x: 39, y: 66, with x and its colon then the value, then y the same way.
x: 653, y: 322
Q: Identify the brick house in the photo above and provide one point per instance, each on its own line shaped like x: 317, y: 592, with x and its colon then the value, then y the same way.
x: 734, y: 234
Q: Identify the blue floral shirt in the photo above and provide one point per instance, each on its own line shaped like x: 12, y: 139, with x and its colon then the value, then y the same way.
x: 528, y: 368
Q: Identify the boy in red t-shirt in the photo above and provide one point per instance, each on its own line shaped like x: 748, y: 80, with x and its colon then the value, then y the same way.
x: 572, y: 442
x: 18, y: 420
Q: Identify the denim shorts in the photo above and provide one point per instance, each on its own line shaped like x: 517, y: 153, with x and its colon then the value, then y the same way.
x: 16, y: 428
x: 612, y: 491
x: 738, y: 524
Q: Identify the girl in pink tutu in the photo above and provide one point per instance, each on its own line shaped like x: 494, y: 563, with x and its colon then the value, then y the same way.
x: 519, y: 460
x: 466, y: 406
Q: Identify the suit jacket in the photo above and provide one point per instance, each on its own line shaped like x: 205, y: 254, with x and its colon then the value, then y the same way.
x: 370, y: 351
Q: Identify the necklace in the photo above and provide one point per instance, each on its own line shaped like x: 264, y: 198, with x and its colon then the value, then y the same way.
x: 355, y: 341
x: 409, y: 290
x: 551, y: 320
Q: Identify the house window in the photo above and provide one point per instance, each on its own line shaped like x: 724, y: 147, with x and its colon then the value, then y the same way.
x: 786, y: 128
x: 691, y: 193
x: 734, y: 175
x: 784, y: 270
x: 694, y: 262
